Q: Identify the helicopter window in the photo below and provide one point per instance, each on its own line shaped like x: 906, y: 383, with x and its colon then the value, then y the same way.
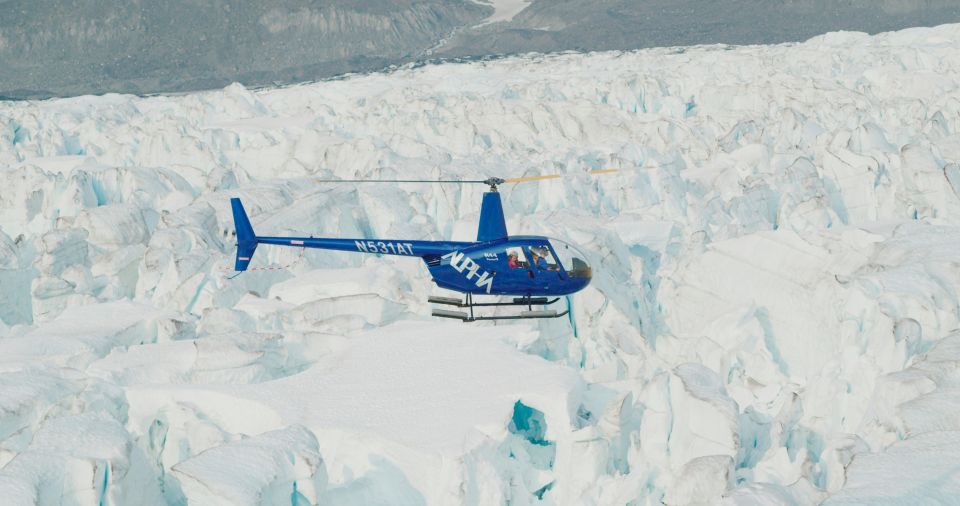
x: 571, y: 259
x: 543, y: 259
x: 516, y: 259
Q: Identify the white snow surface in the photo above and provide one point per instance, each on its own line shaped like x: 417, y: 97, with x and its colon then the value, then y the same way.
x: 773, y: 317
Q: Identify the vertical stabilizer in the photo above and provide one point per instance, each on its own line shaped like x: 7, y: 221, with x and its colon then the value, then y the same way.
x: 246, y: 239
x: 492, y: 224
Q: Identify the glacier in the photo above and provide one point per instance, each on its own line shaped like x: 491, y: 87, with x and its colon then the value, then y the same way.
x: 773, y: 317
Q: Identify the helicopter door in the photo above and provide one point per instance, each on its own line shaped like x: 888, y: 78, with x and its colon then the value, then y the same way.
x: 543, y: 264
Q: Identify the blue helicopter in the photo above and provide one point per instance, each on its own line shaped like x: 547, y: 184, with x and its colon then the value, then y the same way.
x: 534, y: 270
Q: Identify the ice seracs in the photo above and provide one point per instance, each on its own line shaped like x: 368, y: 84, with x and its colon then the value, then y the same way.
x: 772, y: 319
x: 271, y: 468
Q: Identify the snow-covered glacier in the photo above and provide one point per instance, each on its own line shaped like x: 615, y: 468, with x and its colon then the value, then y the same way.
x: 774, y: 316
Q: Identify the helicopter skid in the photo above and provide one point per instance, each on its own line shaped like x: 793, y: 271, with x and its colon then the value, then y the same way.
x: 524, y: 315
x: 464, y: 316
x: 517, y: 301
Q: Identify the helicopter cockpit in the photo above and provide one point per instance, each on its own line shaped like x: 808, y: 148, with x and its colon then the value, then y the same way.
x: 571, y: 259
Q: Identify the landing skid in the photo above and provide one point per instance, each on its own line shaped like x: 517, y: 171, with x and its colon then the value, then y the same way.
x: 464, y: 316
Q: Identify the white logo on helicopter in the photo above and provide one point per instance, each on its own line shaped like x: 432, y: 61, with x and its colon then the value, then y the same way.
x: 462, y: 263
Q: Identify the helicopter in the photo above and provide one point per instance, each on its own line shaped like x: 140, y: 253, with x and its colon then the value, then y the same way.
x: 533, y: 270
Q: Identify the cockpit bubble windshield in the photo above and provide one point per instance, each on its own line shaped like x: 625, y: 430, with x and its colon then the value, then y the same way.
x: 571, y: 259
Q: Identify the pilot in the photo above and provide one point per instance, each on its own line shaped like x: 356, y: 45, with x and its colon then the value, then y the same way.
x: 512, y: 261
x: 539, y: 259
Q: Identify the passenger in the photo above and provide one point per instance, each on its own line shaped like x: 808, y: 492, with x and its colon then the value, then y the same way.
x: 512, y: 261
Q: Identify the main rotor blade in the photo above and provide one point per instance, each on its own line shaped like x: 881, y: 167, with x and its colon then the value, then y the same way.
x: 493, y: 181
x: 532, y: 178
x: 458, y: 181
x: 595, y: 172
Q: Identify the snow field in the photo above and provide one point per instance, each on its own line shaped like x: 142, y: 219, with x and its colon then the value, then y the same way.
x: 772, y: 318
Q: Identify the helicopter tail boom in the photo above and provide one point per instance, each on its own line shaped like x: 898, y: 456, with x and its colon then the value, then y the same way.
x: 246, y: 239
x: 423, y: 249
x: 247, y: 242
